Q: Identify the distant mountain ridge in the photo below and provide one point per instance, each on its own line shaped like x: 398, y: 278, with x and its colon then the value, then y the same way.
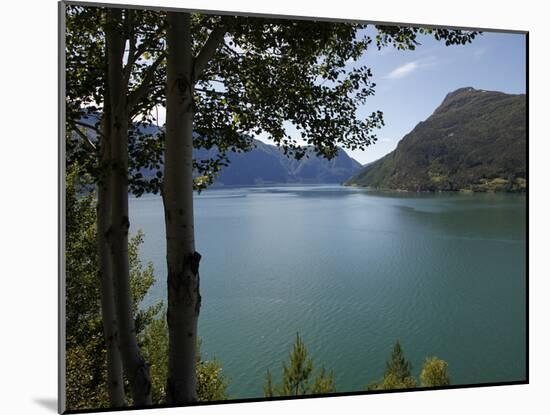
x: 267, y: 164
x: 262, y: 164
x: 476, y: 140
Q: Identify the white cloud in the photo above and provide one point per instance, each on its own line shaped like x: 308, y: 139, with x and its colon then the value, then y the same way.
x: 410, y: 67
x: 403, y: 70
x: 480, y: 52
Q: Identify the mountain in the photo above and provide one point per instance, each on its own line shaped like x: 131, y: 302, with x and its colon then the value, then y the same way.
x: 263, y: 164
x: 475, y: 140
x: 267, y: 164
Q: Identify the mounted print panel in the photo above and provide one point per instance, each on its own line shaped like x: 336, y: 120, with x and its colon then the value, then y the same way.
x: 268, y: 207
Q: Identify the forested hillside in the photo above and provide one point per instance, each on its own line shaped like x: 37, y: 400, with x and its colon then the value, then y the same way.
x: 475, y: 140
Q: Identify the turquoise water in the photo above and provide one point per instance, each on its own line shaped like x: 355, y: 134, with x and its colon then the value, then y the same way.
x: 353, y: 271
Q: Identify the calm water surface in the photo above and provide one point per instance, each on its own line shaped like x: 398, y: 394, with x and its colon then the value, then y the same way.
x: 353, y: 271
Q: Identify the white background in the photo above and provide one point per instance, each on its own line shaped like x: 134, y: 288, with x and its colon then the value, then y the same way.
x: 28, y: 217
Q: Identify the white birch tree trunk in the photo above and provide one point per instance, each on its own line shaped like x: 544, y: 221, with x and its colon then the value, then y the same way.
x: 135, y: 366
x: 183, y: 261
x: 115, y: 379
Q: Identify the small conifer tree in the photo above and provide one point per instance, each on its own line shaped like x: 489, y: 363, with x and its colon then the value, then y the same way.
x: 268, y: 388
x: 398, y: 365
x: 298, y: 371
x: 398, y: 372
x: 296, y: 376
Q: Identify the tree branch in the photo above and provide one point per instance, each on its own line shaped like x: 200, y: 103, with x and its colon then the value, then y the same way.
x: 91, y: 127
x: 141, y: 90
x: 136, y: 51
x: 210, y: 91
x: 132, y: 39
x: 233, y: 51
x: 209, y: 49
x: 84, y: 137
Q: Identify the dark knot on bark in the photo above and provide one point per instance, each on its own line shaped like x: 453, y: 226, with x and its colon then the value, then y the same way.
x: 108, y: 233
x: 184, y: 86
x: 183, y: 283
x: 185, y: 91
x: 193, y: 260
x: 125, y: 223
x: 117, y: 124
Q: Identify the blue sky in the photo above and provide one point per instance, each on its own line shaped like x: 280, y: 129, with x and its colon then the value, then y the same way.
x: 411, y: 84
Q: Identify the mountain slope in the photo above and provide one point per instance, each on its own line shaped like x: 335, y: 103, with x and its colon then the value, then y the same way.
x: 475, y: 140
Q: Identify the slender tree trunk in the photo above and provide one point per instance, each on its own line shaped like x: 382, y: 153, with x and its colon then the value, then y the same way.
x: 115, y: 379
x: 183, y: 261
x: 135, y: 366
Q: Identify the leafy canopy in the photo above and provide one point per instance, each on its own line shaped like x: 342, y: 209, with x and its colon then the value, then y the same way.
x: 434, y: 373
x: 268, y: 76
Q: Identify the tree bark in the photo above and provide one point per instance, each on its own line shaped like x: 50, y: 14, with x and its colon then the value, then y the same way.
x: 115, y: 379
x: 135, y: 366
x: 184, y: 299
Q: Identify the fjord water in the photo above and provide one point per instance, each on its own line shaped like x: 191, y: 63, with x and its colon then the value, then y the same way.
x: 353, y: 270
